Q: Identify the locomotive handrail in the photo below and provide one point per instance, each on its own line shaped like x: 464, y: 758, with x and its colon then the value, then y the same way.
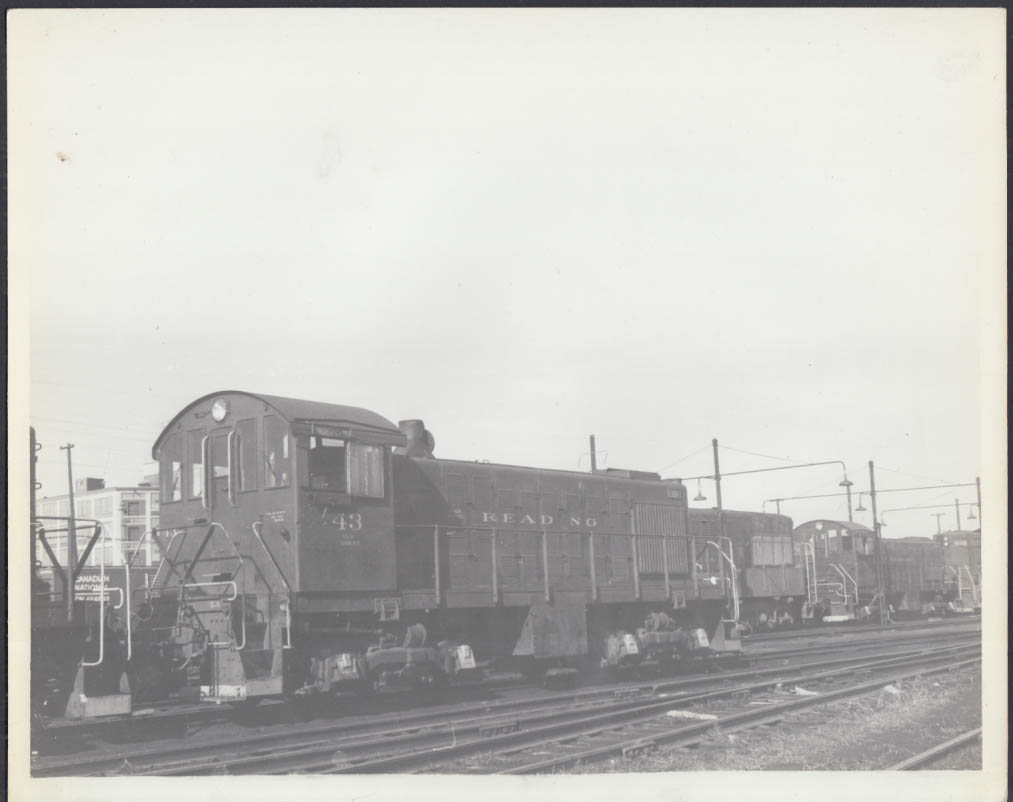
x: 230, y: 488
x: 731, y: 562
x: 236, y: 593
x: 853, y: 580
x: 129, y: 594
x: 844, y: 582
x: 810, y: 578
x: 192, y: 585
x: 256, y: 526
x: 101, y: 600
x: 974, y: 587
x: 205, y: 455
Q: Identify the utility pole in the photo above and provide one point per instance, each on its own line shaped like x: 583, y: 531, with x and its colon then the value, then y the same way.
x: 977, y: 481
x: 71, y: 537
x: 721, y: 511
x: 717, y: 472
x: 956, y: 506
x: 778, y: 502
x: 939, y: 526
x: 879, y: 545
x: 594, y: 462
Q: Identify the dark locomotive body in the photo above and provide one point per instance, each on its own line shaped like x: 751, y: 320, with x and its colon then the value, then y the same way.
x: 920, y: 575
x: 771, y: 583
x: 317, y: 548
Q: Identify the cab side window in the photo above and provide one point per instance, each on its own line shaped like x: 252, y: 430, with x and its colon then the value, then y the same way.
x: 195, y: 461
x: 365, y: 470
x: 171, y: 469
x: 327, y: 464
x: 246, y: 456
x: 276, y: 454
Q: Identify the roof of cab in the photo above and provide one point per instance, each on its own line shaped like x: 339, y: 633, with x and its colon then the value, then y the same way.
x: 853, y: 526
x: 297, y: 409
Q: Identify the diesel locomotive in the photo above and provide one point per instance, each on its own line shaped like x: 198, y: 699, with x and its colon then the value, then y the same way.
x: 920, y: 575
x: 315, y: 548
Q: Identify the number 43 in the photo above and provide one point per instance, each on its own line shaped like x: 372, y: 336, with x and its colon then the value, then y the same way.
x: 351, y: 522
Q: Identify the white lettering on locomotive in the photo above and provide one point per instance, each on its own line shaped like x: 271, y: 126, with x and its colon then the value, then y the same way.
x: 543, y: 520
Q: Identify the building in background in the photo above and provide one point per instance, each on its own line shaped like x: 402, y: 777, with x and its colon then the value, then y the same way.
x: 126, y: 512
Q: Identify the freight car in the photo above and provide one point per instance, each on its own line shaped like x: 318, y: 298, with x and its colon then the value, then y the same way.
x: 770, y: 587
x: 318, y: 548
x: 919, y: 574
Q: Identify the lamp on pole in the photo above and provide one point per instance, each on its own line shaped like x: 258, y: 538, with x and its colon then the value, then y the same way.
x: 846, y: 484
x: 716, y: 477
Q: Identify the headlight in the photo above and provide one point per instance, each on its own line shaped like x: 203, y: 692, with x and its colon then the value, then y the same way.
x: 219, y: 409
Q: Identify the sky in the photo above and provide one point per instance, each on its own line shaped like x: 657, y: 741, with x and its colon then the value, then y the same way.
x: 781, y: 229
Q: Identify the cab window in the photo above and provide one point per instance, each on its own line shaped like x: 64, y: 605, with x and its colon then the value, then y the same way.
x: 171, y: 469
x: 276, y: 455
x: 195, y: 461
x: 246, y: 456
x: 220, y: 460
x: 365, y: 470
x: 327, y: 464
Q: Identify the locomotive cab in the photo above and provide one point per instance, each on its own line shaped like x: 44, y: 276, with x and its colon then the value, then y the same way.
x: 276, y: 518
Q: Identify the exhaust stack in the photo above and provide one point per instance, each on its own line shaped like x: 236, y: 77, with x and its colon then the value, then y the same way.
x: 420, y: 440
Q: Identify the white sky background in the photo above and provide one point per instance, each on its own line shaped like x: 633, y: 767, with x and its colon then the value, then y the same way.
x: 775, y: 228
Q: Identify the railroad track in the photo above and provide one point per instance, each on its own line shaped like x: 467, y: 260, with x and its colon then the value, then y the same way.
x: 929, y: 756
x: 355, y: 745
x: 644, y: 727
x: 181, y: 715
x: 844, y: 628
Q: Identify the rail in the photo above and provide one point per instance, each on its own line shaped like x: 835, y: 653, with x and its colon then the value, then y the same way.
x: 937, y: 751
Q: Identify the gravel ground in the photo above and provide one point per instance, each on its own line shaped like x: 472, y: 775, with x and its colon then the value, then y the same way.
x: 867, y: 733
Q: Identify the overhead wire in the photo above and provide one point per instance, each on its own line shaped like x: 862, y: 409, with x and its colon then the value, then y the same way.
x: 683, y: 459
x: 914, y: 475
x: 757, y: 454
